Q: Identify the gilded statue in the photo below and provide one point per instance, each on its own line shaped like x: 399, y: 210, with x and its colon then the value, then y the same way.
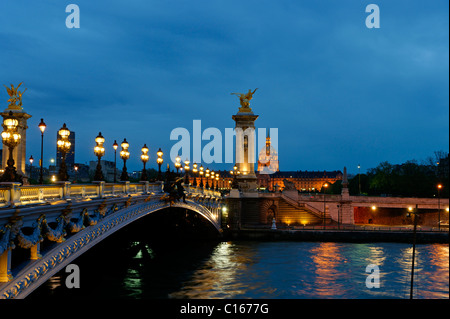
x: 245, y: 98
x: 15, y: 96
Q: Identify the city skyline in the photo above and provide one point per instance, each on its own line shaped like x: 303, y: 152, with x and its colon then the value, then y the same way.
x: 339, y: 93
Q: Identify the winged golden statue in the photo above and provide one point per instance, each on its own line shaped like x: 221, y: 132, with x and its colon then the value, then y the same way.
x: 245, y: 98
x: 15, y: 95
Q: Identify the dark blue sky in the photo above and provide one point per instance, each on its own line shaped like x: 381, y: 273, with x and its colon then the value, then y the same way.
x: 339, y: 93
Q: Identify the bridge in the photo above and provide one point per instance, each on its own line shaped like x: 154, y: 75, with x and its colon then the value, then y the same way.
x: 74, y: 218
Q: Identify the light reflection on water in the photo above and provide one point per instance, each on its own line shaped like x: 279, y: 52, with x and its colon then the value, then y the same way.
x: 259, y: 270
x: 317, y: 270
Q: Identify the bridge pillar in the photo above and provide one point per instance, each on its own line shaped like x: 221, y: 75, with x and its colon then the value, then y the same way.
x: 14, y: 192
x: 101, y: 188
x: 5, y: 266
x: 126, y: 186
x: 65, y: 189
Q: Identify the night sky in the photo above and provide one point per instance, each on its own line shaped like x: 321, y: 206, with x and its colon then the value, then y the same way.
x: 338, y: 92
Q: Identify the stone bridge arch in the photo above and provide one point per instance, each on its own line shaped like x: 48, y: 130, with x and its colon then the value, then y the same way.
x: 39, y: 271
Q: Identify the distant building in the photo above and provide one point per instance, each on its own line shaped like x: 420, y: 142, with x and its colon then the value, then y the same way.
x: 107, y: 170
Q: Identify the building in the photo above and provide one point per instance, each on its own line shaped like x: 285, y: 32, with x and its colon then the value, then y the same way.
x: 304, y: 181
x: 107, y: 170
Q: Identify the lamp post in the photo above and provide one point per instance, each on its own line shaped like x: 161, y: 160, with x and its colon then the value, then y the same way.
x: 212, y: 179
x: 42, y: 127
x: 63, y: 145
x: 414, y: 213
x: 207, y: 171
x: 177, y: 163
x: 159, y: 160
x: 194, y: 172
x: 201, y: 175
x: 115, y: 146
x: 144, y: 159
x: 359, y: 178
x: 31, y: 165
x: 124, y: 155
x: 186, y: 168
x: 235, y: 173
x: 217, y: 181
x: 324, y: 208
x: 99, y: 151
x: 75, y: 167
x: 11, y: 138
x: 439, y: 187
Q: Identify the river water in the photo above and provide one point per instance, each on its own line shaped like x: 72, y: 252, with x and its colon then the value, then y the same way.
x: 257, y: 270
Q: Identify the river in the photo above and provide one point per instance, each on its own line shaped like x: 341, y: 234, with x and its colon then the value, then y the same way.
x: 257, y: 270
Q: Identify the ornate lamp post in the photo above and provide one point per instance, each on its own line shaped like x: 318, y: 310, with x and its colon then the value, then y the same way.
x: 324, y: 213
x: 63, y: 145
x: 99, y: 151
x: 439, y: 187
x: 235, y: 173
x: 159, y: 161
x: 217, y: 181
x: 124, y: 155
x: 75, y: 167
x: 11, y: 138
x: 31, y: 165
x: 177, y: 163
x: 207, y: 177
x: 194, y: 171
x: 186, y: 168
x: 144, y: 159
x: 42, y: 127
x: 212, y: 179
x: 115, y: 146
x: 201, y: 175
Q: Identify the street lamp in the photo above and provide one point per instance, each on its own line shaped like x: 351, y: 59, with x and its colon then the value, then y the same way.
x: 63, y: 145
x: 75, y: 167
x: 194, y: 172
x: 99, y: 151
x: 186, y: 168
x: 31, y: 165
x: 177, y: 163
x: 439, y: 187
x: 201, y: 175
x: 217, y: 181
x: 124, y: 155
x: 359, y: 178
x: 115, y: 146
x: 235, y: 173
x: 159, y: 160
x: 207, y: 177
x: 324, y: 208
x: 212, y: 179
x: 42, y: 127
x: 11, y: 138
x: 144, y: 159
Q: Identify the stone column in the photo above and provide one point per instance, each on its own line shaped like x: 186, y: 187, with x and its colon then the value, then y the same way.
x: 245, y: 148
x: 5, y: 266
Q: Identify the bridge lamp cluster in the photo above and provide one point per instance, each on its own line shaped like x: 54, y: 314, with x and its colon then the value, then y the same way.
x: 99, y: 151
x: 144, y: 159
x: 124, y: 155
x: 178, y: 163
x: 11, y: 138
x: 159, y: 161
x: 63, y: 145
x: 186, y: 168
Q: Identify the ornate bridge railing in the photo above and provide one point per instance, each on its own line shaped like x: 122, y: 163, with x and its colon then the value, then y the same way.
x: 57, y: 223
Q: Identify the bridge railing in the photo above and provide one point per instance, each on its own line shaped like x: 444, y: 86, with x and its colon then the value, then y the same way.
x: 14, y: 194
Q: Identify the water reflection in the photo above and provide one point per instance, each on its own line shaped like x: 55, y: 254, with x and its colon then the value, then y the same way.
x: 261, y: 270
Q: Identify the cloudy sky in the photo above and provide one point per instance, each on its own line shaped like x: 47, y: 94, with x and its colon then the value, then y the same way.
x: 338, y: 92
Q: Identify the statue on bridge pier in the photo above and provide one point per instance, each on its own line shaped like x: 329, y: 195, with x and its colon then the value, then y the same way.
x: 174, y: 190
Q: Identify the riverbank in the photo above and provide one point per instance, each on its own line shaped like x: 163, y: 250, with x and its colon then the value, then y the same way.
x: 353, y: 236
